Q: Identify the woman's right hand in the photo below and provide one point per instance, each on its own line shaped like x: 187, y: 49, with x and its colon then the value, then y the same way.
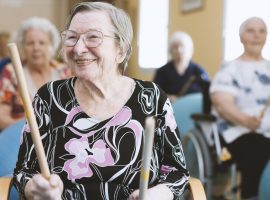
x: 39, y: 188
x: 252, y: 122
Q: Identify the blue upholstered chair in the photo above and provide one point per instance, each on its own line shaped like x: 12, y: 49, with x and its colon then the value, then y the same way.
x: 264, y: 189
x: 183, y: 107
x: 9, y: 148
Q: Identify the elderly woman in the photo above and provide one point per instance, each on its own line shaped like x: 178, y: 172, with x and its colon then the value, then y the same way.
x: 240, y: 93
x: 92, y: 125
x: 38, y: 41
x: 180, y: 76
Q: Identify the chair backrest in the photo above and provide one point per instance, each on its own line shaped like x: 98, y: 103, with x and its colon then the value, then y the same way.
x: 264, y: 192
x: 183, y: 108
x: 9, y: 147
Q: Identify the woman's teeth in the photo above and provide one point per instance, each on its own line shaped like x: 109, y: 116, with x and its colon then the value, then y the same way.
x: 84, y: 61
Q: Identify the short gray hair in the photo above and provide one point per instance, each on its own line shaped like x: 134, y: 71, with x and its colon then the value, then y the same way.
x: 42, y: 24
x: 244, y: 24
x: 185, y: 39
x: 120, y: 21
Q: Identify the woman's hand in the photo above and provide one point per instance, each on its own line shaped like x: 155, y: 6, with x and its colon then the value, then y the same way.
x: 158, y: 192
x: 252, y: 122
x: 39, y: 188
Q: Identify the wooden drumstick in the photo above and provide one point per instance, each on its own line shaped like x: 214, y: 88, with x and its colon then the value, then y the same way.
x: 29, y: 112
x: 265, y: 108
x: 146, y: 155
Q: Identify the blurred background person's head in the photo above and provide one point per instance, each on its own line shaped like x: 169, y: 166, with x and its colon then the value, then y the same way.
x: 253, y: 34
x: 38, y: 41
x: 181, y: 47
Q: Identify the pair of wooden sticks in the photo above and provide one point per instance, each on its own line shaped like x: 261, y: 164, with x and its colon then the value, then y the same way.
x: 149, y: 127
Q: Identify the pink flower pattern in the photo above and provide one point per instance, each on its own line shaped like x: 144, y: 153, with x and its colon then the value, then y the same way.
x: 79, y: 166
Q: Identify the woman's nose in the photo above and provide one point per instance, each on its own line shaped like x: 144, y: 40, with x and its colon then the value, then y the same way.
x: 80, y: 46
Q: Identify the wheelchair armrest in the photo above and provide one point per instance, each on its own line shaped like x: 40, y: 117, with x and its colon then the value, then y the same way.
x: 203, y: 117
x: 196, y: 189
x: 5, y: 187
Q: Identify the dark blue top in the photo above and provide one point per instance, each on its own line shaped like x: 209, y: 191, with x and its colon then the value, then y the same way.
x: 172, y: 82
x: 3, y: 62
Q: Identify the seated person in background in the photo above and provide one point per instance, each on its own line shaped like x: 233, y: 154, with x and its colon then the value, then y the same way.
x: 37, y: 40
x: 240, y: 93
x: 4, y: 53
x: 180, y: 75
x: 92, y: 140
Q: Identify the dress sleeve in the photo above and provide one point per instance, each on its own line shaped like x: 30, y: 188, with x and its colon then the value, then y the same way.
x: 27, y: 163
x: 225, y: 81
x: 173, y: 172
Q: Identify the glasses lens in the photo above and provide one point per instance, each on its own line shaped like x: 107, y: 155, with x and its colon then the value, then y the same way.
x: 93, y: 38
x: 69, y: 38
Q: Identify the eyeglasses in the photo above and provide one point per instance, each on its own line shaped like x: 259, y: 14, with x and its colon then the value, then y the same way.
x: 92, y: 38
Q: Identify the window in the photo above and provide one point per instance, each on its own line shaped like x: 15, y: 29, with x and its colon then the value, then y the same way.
x: 153, y: 33
x: 236, y: 11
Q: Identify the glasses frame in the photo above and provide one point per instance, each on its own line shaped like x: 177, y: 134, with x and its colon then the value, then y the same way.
x: 63, y: 35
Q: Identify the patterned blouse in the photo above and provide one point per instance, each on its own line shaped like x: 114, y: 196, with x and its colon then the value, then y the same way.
x: 102, y: 159
x: 249, y: 83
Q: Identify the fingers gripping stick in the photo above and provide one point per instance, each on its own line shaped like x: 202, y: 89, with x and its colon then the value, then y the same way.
x: 29, y: 110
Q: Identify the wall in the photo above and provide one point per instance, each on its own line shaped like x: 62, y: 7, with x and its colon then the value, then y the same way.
x: 204, y: 25
x: 13, y: 12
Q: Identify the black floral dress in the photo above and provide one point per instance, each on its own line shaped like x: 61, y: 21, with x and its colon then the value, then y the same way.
x: 102, y: 159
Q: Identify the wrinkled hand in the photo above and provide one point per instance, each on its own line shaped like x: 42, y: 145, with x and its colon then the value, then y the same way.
x: 158, y: 192
x: 253, y: 122
x: 39, y: 188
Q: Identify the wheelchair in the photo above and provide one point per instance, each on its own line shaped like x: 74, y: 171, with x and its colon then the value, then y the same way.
x: 202, y: 145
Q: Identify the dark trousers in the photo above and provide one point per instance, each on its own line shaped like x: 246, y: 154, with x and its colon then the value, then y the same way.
x: 250, y: 152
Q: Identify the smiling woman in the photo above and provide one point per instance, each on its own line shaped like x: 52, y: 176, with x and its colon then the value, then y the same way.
x: 92, y: 125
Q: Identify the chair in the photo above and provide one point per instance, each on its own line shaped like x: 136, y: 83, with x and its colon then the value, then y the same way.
x: 5, y: 187
x: 200, y: 139
x: 195, y: 188
x: 184, y: 107
x: 9, y: 148
x: 264, y: 192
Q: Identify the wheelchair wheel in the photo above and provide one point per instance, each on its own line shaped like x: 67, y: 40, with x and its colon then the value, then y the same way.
x: 198, y: 158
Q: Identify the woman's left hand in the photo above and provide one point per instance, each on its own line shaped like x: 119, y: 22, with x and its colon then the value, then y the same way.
x: 158, y: 192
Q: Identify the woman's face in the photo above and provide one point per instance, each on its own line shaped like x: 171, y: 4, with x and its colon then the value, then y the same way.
x: 36, y: 48
x: 177, y: 51
x: 254, y: 36
x: 93, y: 62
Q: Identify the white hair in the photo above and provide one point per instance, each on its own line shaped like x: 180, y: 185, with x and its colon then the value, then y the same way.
x: 185, y: 40
x: 120, y: 20
x: 42, y: 24
x: 244, y: 24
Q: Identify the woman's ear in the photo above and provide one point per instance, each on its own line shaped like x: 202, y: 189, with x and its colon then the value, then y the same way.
x: 120, y: 56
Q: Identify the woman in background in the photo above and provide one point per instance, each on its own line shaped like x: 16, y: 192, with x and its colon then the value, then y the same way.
x: 38, y: 41
x: 180, y: 75
x: 240, y: 93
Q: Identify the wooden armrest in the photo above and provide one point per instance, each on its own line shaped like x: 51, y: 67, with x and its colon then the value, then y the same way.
x: 203, y: 117
x: 196, y: 189
x: 5, y: 187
